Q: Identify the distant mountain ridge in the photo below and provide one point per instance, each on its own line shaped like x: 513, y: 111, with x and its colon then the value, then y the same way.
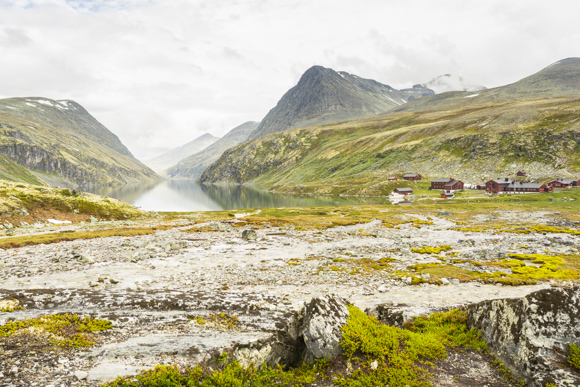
x: 168, y: 159
x: 324, y: 96
x: 60, y: 143
x: 193, y: 166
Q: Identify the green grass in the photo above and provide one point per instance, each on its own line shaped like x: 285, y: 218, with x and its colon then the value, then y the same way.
x: 400, y: 355
x: 64, y: 330
x: 20, y: 241
x: 574, y: 356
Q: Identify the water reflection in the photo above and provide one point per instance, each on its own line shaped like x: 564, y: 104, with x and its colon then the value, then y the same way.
x: 186, y: 195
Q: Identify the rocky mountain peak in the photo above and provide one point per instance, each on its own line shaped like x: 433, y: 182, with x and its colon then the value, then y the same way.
x: 323, y: 96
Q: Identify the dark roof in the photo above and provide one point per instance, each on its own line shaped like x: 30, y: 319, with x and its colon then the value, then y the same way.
x: 452, y: 182
x: 441, y: 180
x: 404, y: 189
x: 502, y: 181
x: 518, y: 185
x: 411, y: 175
x: 565, y: 181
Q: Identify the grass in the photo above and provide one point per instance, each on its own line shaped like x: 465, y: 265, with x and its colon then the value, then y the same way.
x: 42, y: 200
x: 574, y: 356
x: 10, y: 306
x: 357, y: 157
x: 551, y: 268
x: 63, y: 330
x: 20, y: 241
x: 400, y: 355
x: 219, y: 320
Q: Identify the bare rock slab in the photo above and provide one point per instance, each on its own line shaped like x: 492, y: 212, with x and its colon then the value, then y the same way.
x: 531, y: 335
x: 323, y: 319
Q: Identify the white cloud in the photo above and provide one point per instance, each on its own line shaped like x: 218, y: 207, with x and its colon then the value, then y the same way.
x: 160, y: 73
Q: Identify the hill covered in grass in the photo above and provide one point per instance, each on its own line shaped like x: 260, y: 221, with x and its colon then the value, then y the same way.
x: 60, y: 143
x: 531, y: 125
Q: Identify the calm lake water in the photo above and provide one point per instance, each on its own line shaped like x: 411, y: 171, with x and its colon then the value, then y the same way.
x: 184, y: 195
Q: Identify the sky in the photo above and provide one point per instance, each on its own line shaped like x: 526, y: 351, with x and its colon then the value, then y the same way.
x: 159, y: 73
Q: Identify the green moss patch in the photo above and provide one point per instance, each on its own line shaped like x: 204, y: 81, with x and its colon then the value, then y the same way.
x: 574, y: 356
x: 66, y: 330
x: 14, y: 242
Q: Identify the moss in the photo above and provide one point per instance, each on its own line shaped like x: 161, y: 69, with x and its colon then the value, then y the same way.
x: 220, y: 320
x: 431, y: 250
x: 14, y: 242
x: 574, y: 356
x: 399, y: 352
x: 227, y: 374
x: 65, y: 330
x: 10, y: 306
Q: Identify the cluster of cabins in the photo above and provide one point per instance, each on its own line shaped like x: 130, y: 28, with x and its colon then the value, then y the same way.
x: 494, y: 186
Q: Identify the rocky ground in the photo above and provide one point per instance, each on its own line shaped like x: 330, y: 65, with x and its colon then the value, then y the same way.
x: 154, y: 288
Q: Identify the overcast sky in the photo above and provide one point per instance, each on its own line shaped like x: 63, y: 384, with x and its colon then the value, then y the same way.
x: 159, y: 73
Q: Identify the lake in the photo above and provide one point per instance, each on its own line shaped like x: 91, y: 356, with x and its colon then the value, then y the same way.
x: 186, y: 195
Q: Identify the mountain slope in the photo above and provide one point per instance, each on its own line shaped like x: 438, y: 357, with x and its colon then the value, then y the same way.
x: 193, y: 166
x: 62, y: 144
x: 169, y: 159
x: 559, y: 79
x: 325, y: 96
x: 475, y: 138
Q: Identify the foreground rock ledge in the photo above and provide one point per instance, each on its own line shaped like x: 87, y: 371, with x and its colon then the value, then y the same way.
x: 531, y: 335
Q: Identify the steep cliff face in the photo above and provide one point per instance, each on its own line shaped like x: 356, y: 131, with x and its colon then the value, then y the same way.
x: 467, y: 136
x: 193, y: 166
x: 324, y: 96
x: 60, y: 140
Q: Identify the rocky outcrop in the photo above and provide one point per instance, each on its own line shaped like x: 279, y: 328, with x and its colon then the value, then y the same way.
x: 321, y: 328
x: 531, y: 335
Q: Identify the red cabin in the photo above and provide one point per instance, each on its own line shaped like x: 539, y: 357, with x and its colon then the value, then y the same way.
x: 403, y: 191
x: 412, y: 176
x: 497, y: 185
x: 519, y: 187
x: 563, y: 183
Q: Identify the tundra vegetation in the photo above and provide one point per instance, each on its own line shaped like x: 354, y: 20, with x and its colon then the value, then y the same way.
x: 377, y: 353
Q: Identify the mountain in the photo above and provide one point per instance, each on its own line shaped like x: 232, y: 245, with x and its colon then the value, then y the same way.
x: 193, y: 166
x: 324, y: 96
x: 60, y: 143
x: 531, y: 125
x: 168, y: 159
x: 449, y: 82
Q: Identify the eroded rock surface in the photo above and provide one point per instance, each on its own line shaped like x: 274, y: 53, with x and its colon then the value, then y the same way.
x: 321, y: 329
x: 531, y: 335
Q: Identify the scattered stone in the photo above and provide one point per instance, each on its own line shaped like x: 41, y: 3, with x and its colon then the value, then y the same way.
x: 382, y: 289
x: 444, y: 213
x: 81, y: 375
x: 249, y: 235
x: 444, y: 281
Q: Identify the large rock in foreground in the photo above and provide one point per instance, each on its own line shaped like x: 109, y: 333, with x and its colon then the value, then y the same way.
x: 323, y: 319
x: 531, y: 335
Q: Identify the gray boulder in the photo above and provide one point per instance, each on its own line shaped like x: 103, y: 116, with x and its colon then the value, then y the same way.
x: 321, y: 327
x: 249, y: 235
x: 531, y: 335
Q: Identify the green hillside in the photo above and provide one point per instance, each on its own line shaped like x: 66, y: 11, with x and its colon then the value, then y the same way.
x: 523, y: 126
x: 60, y: 143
